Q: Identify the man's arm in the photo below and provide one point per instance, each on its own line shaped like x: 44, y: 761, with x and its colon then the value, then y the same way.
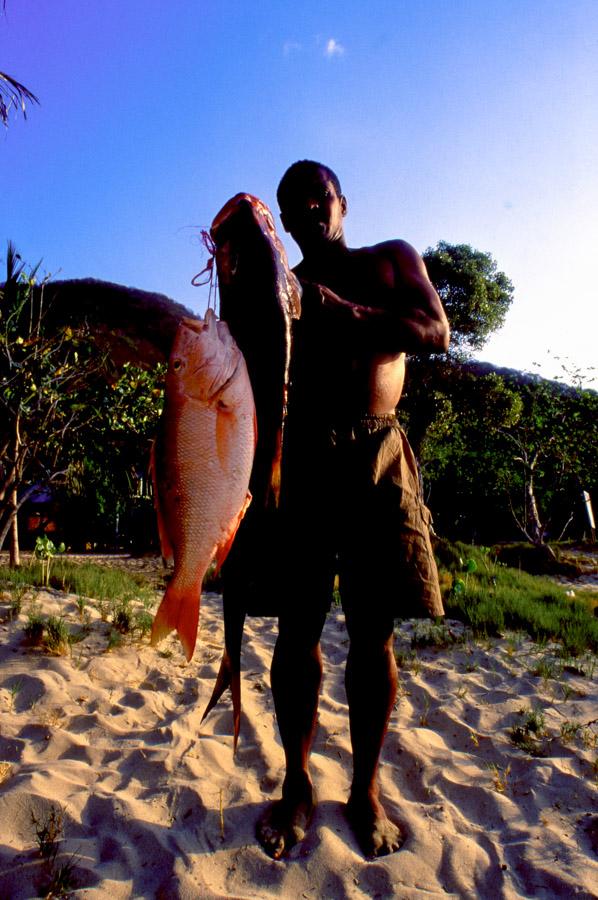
x: 410, y: 317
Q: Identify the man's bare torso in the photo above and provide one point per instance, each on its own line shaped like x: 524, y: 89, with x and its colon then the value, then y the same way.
x: 354, y: 376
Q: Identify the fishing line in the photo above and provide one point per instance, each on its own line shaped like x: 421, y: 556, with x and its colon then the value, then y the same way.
x: 209, y: 274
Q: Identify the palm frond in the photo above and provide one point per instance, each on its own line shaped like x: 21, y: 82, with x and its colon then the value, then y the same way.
x: 13, y: 93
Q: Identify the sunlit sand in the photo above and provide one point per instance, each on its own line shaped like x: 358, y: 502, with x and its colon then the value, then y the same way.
x: 155, y: 805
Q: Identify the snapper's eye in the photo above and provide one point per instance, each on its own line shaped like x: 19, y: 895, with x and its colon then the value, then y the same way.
x: 176, y: 364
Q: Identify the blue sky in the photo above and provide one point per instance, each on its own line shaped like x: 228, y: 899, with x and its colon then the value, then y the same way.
x: 472, y: 122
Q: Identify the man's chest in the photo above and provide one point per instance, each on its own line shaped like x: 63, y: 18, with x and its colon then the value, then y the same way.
x: 361, y: 278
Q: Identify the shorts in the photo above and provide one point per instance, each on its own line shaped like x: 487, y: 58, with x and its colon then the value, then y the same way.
x: 351, y: 506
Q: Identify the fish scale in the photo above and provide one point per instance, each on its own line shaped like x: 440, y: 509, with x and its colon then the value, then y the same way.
x: 201, y: 466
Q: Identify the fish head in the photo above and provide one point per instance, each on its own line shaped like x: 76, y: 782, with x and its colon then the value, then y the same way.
x: 204, y: 360
x: 245, y: 226
x: 238, y: 212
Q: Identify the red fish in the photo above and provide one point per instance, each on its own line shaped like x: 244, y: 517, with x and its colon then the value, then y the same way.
x: 201, y: 465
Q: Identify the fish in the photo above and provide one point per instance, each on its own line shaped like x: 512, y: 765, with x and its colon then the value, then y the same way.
x: 201, y: 465
x: 260, y: 298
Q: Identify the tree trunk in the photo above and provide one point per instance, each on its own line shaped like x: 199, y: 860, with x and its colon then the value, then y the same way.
x: 15, y: 555
x: 534, y: 525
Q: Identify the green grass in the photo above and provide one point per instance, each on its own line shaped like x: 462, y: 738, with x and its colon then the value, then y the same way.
x: 115, y: 592
x: 102, y: 583
x: 477, y: 589
x: 491, y: 598
x: 529, y: 732
x: 57, y: 637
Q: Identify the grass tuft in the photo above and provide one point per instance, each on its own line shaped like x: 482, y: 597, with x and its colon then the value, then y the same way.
x: 528, y: 734
x: 57, y: 638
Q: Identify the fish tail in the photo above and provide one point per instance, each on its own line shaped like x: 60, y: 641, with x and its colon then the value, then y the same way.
x: 229, y: 674
x: 179, y: 609
x: 235, y: 689
x: 223, y: 681
x: 228, y: 677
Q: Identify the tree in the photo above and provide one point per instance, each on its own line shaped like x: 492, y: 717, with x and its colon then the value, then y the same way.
x: 476, y: 297
x: 81, y: 365
x: 551, y: 446
x: 107, y: 481
x: 43, y: 376
x: 455, y: 422
x: 475, y: 294
x: 504, y: 453
x: 13, y: 94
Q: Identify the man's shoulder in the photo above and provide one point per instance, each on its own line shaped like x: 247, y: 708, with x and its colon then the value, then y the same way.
x: 395, y: 255
x: 393, y: 248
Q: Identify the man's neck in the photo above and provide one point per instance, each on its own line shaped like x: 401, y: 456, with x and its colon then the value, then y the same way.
x: 318, y: 256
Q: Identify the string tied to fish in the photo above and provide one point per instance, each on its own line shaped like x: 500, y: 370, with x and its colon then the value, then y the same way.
x: 208, y: 274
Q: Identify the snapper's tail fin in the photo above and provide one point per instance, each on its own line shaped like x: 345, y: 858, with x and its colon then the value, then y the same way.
x: 179, y: 609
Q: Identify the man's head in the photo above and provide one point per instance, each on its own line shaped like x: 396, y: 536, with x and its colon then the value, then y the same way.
x: 312, y: 205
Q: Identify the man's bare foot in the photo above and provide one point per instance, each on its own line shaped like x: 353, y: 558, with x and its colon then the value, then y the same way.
x: 375, y: 833
x: 285, y: 822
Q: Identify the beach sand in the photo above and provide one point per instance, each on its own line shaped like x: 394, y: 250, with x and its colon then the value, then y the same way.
x: 154, y: 804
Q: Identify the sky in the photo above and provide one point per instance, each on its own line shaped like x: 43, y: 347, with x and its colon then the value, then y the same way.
x: 469, y: 122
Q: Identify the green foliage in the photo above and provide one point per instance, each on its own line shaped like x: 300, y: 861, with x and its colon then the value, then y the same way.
x: 475, y: 294
x: 103, y: 583
x: 501, y: 456
x: 68, y: 418
x: 45, y: 550
x: 143, y: 622
x: 34, y: 629
x: 44, y: 379
x: 569, y: 731
x: 547, y: 668
x: 107, y: 486
x: 51, y: 633
x: 434, y: 634
x: 550, y: 449
x: 57, y: 639
x: 528, y: 733
x: 497, y: 452
x: 115, y: 639
x: 122, y: 617
x: 496, y: 598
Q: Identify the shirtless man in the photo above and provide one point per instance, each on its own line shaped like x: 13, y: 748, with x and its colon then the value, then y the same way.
x: 352, y: 503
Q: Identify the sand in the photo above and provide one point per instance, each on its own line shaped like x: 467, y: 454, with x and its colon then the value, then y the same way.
x: 154, y: 804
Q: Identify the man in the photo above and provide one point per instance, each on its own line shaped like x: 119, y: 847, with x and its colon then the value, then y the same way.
x: 351, y: 501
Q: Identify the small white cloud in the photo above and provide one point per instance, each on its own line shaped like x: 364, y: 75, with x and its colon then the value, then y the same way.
x: 333, y: 48
x: 290, y: 47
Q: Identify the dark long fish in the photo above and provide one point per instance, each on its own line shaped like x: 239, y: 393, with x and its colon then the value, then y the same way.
x: 259, y: 298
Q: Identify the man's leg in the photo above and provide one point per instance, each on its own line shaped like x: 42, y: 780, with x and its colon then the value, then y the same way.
x: 371, y: 683
x: 296, y: 677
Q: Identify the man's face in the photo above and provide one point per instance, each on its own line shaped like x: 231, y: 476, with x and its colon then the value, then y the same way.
x: 313, y: 212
